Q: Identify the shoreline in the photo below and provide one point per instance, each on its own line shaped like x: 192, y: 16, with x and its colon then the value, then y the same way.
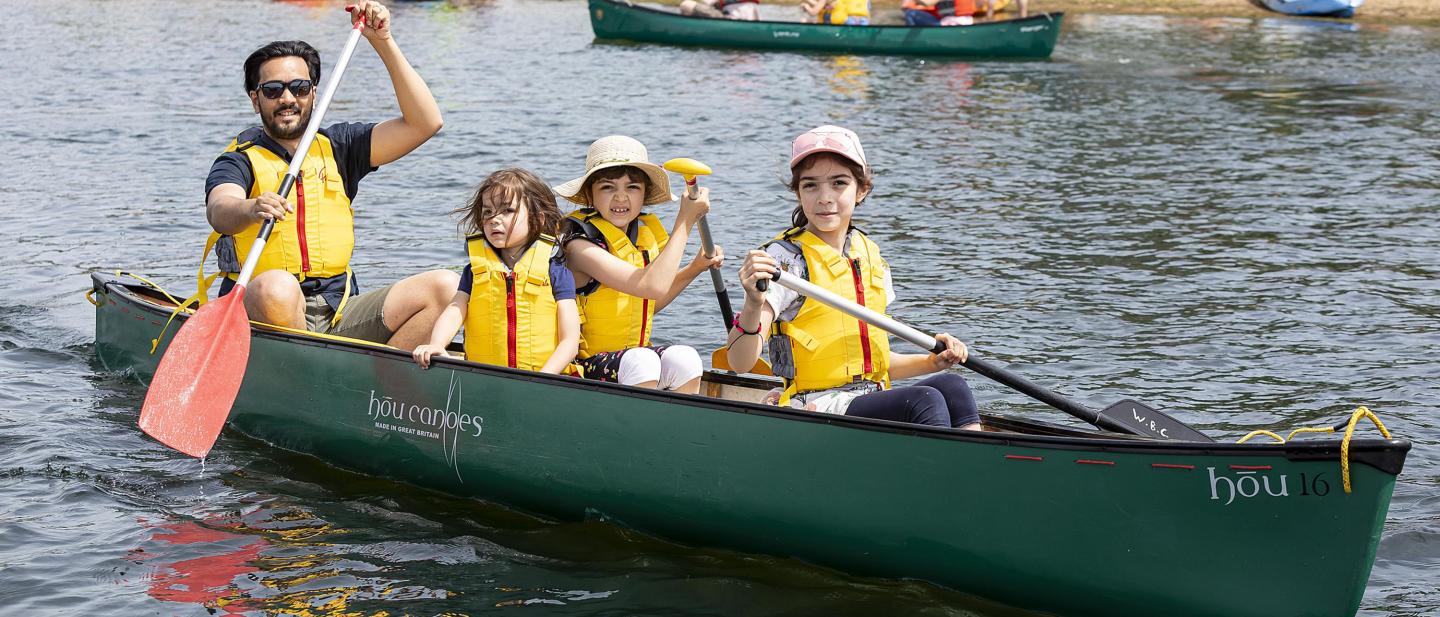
x: 1389, y: 12
x: 1378, y: 12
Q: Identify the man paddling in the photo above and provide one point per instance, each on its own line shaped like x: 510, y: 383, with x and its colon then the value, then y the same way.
x: 303, y: 279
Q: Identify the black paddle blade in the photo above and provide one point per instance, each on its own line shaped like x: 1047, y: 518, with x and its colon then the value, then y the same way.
x: 1140, y: 419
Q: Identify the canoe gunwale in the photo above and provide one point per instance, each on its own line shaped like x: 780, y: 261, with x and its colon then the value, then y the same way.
x: 1386, y: 455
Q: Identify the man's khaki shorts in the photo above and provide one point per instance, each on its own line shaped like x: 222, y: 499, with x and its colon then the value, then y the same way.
x: 363, y: 317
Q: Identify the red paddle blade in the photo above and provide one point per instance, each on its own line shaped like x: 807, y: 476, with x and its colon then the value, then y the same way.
x: 198, y: 377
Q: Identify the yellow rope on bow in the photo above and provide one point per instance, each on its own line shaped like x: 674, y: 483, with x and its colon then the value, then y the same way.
x: 1311, y: 429
x: 1260, y: 433
x: 179, y: 305
x: 183, y: 306
x: 1360, y: 412
x: 152, y: 284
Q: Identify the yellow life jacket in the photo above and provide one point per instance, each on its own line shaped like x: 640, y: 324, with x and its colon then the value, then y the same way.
x: 316, y: 240
x: 829, y: 348
x: 609, y: 319
x: 845, y: 9
x: 512, y: 315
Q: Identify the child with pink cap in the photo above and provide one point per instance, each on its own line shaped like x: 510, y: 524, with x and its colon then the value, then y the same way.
x: 832, y: 362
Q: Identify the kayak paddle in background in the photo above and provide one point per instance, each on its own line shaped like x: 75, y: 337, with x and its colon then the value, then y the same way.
x: 198, y: 377
x: 689, y: 168
x: 1126, y: 416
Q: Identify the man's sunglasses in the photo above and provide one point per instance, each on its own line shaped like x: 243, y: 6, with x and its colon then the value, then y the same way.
x: 274, y: 89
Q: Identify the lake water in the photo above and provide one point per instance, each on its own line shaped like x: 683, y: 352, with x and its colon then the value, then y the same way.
x: 1234, y: 220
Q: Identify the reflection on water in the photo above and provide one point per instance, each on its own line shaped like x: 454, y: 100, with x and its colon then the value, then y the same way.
x: 848, y: 76
x: 1231, y: 219
x: 1291, y: 98
x: 263, y: 561
x: 279, y: 559
x: 207, y: 580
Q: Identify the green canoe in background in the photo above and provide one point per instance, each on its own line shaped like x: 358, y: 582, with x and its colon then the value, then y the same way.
x: 1031, y: 514
x: 1031, y: 37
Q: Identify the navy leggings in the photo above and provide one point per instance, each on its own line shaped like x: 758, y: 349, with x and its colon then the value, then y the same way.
x: 920, y: 18
x: 940, y: 400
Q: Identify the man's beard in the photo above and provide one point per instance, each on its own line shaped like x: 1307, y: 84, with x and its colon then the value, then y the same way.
x: 276, y: 131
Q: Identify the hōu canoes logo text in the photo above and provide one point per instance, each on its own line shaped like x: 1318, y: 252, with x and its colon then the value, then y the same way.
x: 445, y: 424
x: 1249, y: 484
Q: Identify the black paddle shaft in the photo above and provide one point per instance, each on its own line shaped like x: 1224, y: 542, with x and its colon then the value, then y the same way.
x: 1043, y: 394
x: 267, y: 225
x: 716, y: 278
x: 1127, y: 416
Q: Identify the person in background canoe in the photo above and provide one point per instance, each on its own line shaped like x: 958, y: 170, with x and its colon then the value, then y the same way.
x: 516, y: 298
x: 950, y: 12
x: 303, y: 279
x: 832, y: 362
x: 627, y: 268
x: 743, y: 10
x: 838, y: 12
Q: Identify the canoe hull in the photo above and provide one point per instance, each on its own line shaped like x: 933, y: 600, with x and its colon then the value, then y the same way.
x: 1075, y: 526
x: 1032, y: 37
x: 1312, y: 8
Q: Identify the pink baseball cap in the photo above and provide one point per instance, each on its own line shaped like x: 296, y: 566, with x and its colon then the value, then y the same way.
x: 828, y: 138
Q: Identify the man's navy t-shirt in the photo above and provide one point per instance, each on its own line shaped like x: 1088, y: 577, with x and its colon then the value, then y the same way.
x: 349, y: 140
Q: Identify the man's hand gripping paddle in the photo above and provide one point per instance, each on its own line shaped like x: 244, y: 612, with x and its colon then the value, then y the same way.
x: 689, y: 168
x: 198, y: 377
x: 1126, y: 416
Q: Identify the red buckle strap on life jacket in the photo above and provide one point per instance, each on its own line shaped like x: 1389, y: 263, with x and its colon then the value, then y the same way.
x: 511, y: 326
x: 864, y: 327
x: 300, y: 223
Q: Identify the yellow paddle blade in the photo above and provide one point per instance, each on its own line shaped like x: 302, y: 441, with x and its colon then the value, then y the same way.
x: 721, y: 360
x: 687, y: 167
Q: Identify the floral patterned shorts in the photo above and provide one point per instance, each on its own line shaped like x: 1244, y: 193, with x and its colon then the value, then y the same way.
x: 605, y: 366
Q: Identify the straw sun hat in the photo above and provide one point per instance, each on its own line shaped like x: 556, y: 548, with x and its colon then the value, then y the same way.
x: 617, y: 151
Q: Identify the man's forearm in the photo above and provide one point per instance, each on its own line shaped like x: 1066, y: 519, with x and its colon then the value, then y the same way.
x: 229, y: 215
x: 417, y: 105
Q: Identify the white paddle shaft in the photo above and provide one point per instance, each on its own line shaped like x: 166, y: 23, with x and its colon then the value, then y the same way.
x: 806, y: 288
x: 298, y: 157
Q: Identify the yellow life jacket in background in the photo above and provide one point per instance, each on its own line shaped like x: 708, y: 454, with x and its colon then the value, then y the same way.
x: 961, y: 8
x: 830, y: 348
x: 845, y: 9
x: 316, y: 240
x: 609, y: 319
x: 512, y: 314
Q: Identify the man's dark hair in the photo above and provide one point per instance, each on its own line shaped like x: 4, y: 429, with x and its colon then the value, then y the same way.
x: 280, y: 49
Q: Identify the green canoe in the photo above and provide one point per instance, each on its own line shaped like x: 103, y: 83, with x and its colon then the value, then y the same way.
x: 1031, y: 37
x: 1031, y: 514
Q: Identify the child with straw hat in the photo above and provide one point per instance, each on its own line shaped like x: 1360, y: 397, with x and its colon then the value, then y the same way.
x: 627, y: 266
